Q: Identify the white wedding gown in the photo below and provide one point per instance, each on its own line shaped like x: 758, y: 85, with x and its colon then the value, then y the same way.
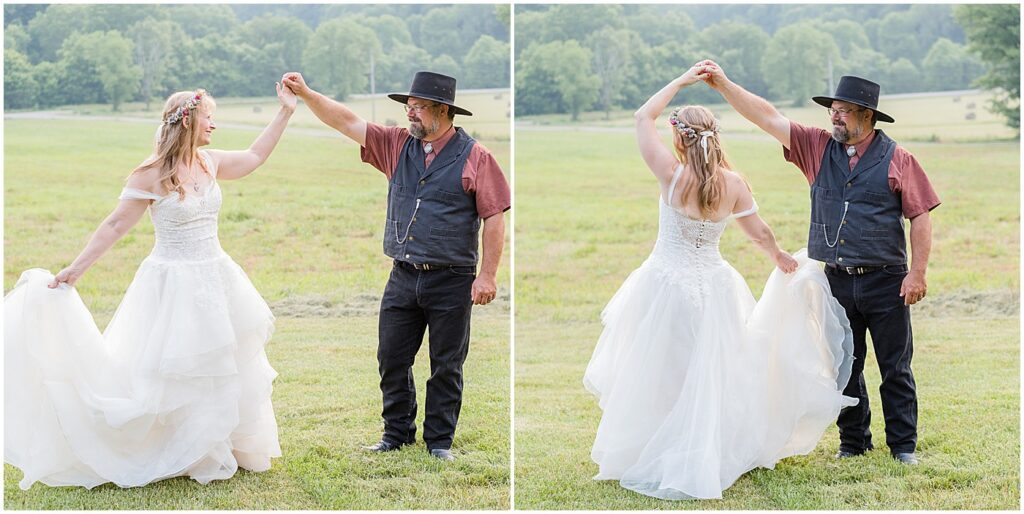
x: 698, y: 383
x: 177, y: 385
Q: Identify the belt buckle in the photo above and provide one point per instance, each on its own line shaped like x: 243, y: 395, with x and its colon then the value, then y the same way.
x: 860, y: 270
x: 427, y: 267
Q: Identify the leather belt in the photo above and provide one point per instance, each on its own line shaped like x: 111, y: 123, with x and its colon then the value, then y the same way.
x: 862, y: 270
x: 430, y: 267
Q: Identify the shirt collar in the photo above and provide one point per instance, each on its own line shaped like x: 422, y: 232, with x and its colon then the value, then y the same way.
x: 439, y: 143
x: 862, y: 147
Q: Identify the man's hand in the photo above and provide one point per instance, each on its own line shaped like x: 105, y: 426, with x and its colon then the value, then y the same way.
x: 713, y: 74
x: 485, y: 288
x: 293, y: 80
x: 913, y: 288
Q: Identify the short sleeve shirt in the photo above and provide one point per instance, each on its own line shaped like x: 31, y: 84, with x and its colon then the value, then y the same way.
x: 906, y: 177
x: 481, y: 177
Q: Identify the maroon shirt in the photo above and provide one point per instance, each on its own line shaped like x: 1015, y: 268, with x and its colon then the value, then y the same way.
x: 906, y: 177
x: 481, y: 175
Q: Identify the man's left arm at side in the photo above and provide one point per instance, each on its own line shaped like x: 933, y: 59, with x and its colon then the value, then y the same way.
x: 485, y: 287
x: 493, y: 198
x: 914, y: 285
x: 919, y: 198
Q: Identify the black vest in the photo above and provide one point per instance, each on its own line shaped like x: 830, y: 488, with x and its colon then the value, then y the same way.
x: 872, y: 232
x: 431, y: 219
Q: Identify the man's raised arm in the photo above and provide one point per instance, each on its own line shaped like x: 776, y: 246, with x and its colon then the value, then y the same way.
x: 333, y: 114
x: 749, y: 105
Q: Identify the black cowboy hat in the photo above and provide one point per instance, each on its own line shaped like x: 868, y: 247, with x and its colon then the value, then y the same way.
x: 432, y: 86
x: 857, y: 91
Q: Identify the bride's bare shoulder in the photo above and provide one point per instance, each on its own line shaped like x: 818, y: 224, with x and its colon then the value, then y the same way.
x: 735, y: 179
x: 146, y: 177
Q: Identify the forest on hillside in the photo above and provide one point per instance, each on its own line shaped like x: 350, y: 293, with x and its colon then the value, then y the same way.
x: 76, y: 53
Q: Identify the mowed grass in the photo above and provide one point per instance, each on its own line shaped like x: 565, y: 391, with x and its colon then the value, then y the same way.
x: 306, y: 227
x: 587, y: 216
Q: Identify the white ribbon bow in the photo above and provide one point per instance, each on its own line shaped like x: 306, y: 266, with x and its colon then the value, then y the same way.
x: 704, y: 142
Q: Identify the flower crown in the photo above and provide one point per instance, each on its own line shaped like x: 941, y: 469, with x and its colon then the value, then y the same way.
x: 686, y: 130
x: 181, y: 113
x: 692, y: 133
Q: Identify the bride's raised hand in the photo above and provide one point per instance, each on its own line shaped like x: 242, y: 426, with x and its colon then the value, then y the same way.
x: 67, y: 276
x: 786, y: 262
x: 693, y: 75
x: 286, y: 97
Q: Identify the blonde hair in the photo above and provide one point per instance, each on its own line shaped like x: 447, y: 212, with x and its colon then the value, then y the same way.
x: 687, y: 125
x: 177, y: 139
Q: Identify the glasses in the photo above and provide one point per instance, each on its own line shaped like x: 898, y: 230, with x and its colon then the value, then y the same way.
x: 842, y: 112
x: 417, y: 108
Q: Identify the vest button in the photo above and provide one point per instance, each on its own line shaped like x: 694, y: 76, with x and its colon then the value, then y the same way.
x: 844, y: 221
x: 848, y: 184
x: 839, y: 259
x: 841, y: 241
x: 411, y: 238
x: 423, y: 182
x: 406, y: 256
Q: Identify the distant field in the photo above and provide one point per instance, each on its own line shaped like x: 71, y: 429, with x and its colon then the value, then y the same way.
x: 489, y: 123
x: 933, y: 117
x: 587, y: 216
x: 306, y: 228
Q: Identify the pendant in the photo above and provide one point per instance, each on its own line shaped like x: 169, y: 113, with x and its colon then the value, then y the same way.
x: 195, y: 187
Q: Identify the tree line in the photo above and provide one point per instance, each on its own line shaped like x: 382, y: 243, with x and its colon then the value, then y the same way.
x: 64, y: 54
x: 575, y: 58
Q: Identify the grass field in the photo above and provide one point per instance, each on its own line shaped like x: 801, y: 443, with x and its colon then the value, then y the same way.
x: 587, y: 216
x: 306, y: 228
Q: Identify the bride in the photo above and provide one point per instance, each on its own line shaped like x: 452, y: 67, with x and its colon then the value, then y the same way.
x: 698, y: 383
x: 178, y: 384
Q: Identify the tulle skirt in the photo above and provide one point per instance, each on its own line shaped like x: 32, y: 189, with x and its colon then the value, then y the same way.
x: 699, y: 384
x: 178, y: 384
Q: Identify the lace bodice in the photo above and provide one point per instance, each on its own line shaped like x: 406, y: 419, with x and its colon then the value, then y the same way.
x: 186, y: 230
x: 686, y: 238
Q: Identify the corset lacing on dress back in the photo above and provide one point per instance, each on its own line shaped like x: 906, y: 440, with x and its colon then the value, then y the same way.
x: 687, y: 246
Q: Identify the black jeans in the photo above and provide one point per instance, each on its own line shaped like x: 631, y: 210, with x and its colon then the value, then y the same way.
x: 873, y: 303
x: 414, y: 300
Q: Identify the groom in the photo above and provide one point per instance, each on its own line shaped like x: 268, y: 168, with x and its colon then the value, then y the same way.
x: 863, y: 185
x: 442, y: 183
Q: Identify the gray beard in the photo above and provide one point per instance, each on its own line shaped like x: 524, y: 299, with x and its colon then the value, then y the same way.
x: 418, y: 131
x: 843, y: 134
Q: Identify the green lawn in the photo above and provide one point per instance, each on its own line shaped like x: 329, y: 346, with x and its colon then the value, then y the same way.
x: 587, y: 216
x: 306, y: 228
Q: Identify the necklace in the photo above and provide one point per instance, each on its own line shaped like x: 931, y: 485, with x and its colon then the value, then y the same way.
x: 193, y: 178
